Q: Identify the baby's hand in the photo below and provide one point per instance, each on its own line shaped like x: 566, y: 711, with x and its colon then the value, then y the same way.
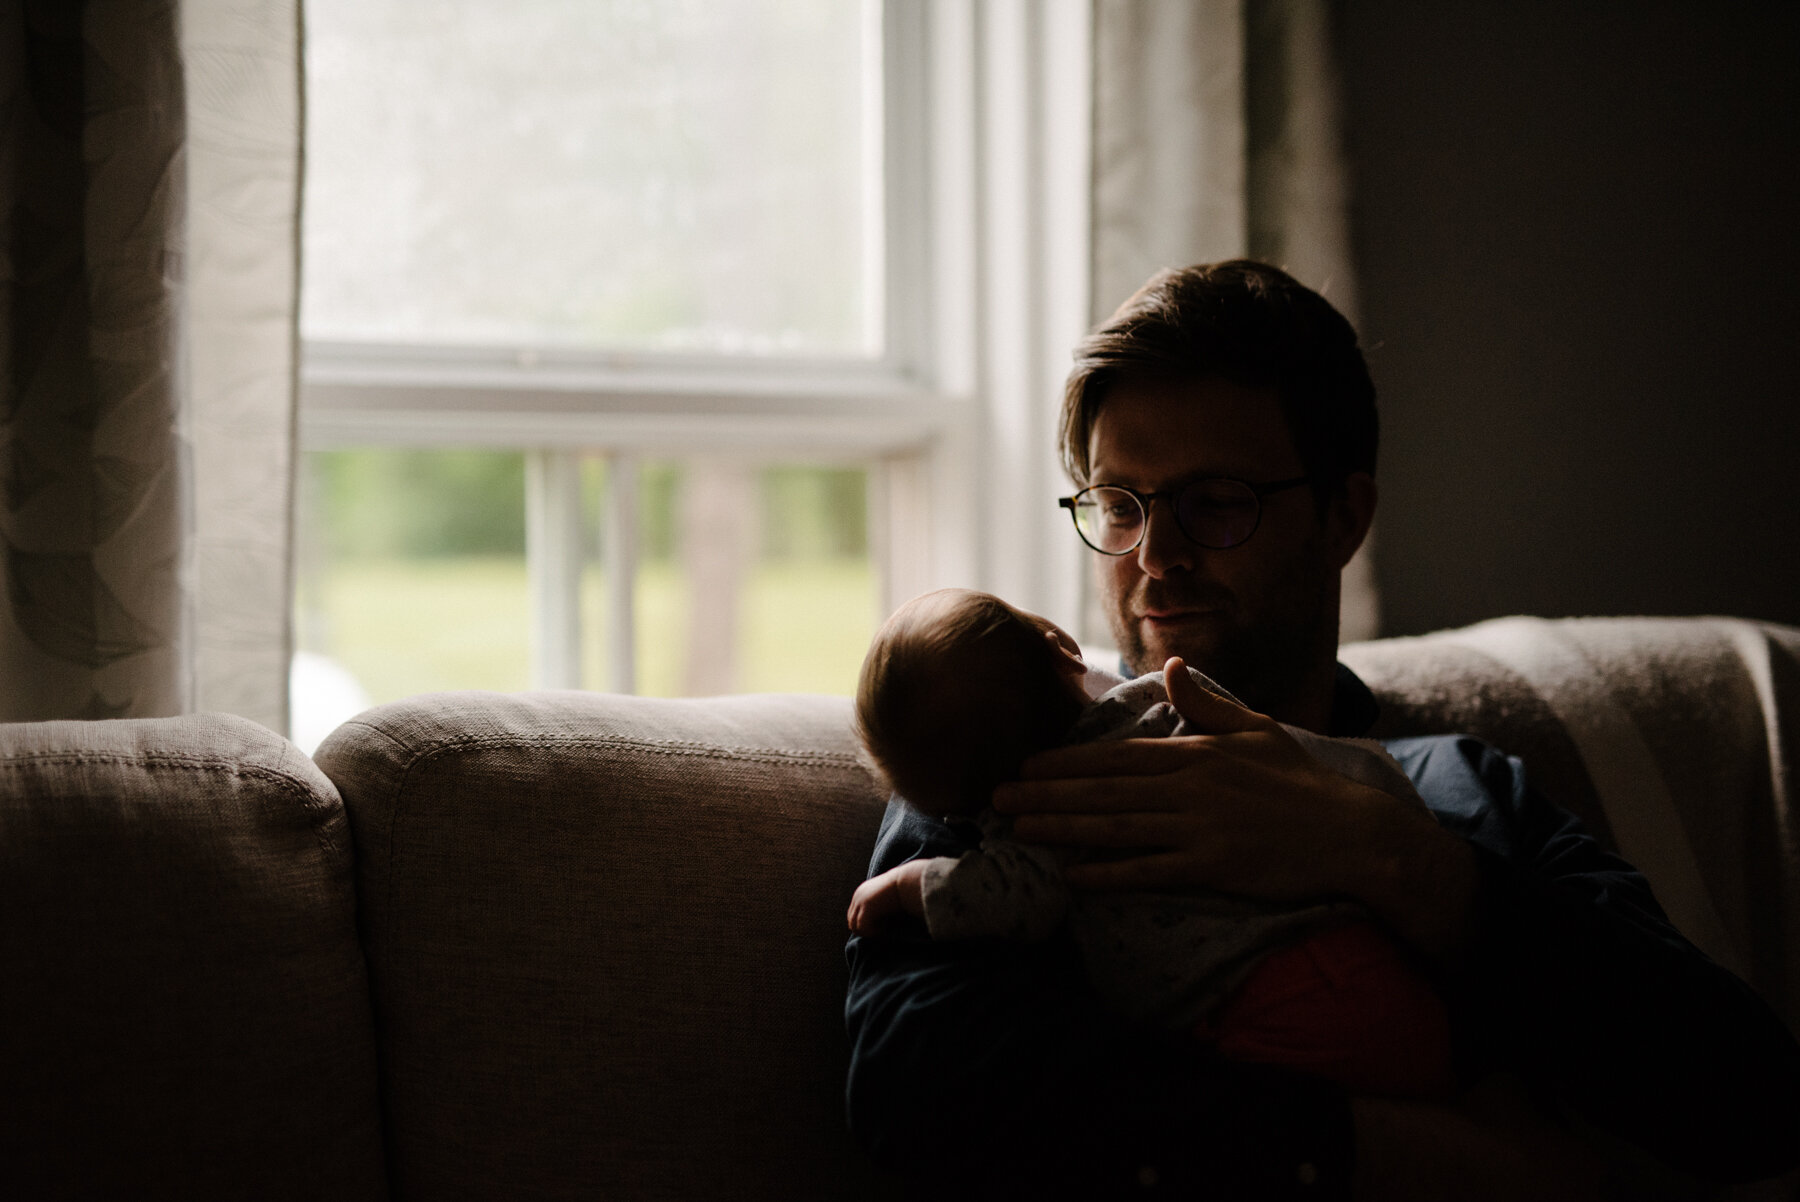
x: 896, y: 891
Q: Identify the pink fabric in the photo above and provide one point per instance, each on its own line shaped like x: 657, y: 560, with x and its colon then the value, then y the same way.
x: 1344, y: 1004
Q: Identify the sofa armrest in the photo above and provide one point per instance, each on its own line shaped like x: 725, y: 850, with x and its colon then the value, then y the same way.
x: 183, y: 1007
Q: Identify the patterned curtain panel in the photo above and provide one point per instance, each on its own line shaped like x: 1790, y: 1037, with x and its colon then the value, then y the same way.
x: 115, y: 495
x: 91, y: 509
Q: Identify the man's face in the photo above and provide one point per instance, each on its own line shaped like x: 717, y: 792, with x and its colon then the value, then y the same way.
x: 1260, y: 617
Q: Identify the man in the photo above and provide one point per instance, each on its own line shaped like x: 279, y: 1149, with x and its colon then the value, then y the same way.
x: 1221, y: 427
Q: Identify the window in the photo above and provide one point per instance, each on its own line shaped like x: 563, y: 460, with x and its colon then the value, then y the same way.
x: 697, y: 292
x: 601, y: 347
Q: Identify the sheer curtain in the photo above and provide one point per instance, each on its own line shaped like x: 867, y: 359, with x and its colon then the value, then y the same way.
x: 149, y: 185
x: 1217, y: 134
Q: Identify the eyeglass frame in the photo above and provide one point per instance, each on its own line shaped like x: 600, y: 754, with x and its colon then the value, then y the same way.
x: 1258, y: 491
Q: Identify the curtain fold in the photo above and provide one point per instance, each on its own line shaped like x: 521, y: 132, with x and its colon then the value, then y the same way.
x: 124, y: 445
x: 1217, y: 133
x: 1297, y: 188
x: 1169, y: 140
x: 245, y: 127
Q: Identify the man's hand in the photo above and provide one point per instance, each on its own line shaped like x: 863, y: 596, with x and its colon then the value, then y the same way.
x: 897, y: 891
x: 1243, y: 809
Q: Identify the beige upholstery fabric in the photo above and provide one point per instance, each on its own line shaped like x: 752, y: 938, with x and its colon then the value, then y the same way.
x: 183, y: 1006
x: 1673, y: 738
x: 604, y: 941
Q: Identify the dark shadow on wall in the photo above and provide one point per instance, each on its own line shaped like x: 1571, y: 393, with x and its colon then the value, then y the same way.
x: 1576, y: 233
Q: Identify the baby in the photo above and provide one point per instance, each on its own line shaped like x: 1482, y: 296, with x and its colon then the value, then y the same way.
x: 957, y: 690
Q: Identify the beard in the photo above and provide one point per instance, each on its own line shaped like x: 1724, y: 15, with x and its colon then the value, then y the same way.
x: 1262, y: 649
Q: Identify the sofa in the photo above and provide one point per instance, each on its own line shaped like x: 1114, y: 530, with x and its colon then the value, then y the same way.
x: 566, y: 944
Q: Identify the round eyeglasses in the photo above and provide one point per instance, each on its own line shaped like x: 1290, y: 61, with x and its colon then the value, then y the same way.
x: 1214, y: 512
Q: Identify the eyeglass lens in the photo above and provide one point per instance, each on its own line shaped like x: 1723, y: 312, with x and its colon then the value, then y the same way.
x: 1214, y: 513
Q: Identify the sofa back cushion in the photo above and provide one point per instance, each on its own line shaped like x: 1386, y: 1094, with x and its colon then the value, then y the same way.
x: 183, y: 1007
x: 604, y: 939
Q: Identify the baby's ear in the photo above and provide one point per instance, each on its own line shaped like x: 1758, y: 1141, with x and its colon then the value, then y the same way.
x: 1068, y: 656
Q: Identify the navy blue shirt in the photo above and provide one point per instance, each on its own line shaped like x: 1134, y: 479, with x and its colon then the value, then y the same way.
x: 990, y: 1069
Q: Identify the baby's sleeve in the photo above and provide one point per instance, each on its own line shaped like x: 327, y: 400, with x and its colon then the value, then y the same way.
x: 1004, y: 890
x: 1362, y: 760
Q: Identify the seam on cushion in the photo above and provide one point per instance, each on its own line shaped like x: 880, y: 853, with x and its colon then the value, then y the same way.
x: 374, y: 729
x: 310, y: 802
x: 393, y: 818
x: 669, y: 747
x: 767, y: 755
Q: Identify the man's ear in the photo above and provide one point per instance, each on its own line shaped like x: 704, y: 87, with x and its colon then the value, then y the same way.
x: 1349, y: 516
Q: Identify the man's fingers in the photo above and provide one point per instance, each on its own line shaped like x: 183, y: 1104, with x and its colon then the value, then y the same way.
x: 1143, y: 830
x: 1118, y: 757
x: 1207, y: 711
x: 1084, y: 795
x: 1166, y: 870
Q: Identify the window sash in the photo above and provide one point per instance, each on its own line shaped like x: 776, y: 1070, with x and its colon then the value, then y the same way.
x: 394, y: 392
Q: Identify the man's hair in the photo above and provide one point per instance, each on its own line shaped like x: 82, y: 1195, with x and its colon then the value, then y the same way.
x: 956, y: 690
x: 1247, y: 323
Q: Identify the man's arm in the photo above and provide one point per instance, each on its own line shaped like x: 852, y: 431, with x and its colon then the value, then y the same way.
x: 1571, y: 976
x: 1555, y: 954
x: 988, y: 1067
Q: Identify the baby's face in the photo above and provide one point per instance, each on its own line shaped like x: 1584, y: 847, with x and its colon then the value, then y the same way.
x: 1070, y: 667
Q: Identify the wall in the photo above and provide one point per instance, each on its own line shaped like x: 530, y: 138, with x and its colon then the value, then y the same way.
x: 1575, y: 230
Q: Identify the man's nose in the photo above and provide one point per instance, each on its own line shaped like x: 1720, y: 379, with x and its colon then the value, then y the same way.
x: 1165, y: 548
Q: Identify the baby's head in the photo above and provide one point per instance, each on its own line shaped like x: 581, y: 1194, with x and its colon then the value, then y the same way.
x: 959, y: 687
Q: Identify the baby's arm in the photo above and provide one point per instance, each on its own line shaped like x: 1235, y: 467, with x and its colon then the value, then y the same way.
x: 896, y: 891
x: 1005, y: 890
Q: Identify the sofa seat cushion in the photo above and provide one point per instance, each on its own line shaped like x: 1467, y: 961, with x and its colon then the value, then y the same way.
x: 183, y: 999
x: 604, y: 939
